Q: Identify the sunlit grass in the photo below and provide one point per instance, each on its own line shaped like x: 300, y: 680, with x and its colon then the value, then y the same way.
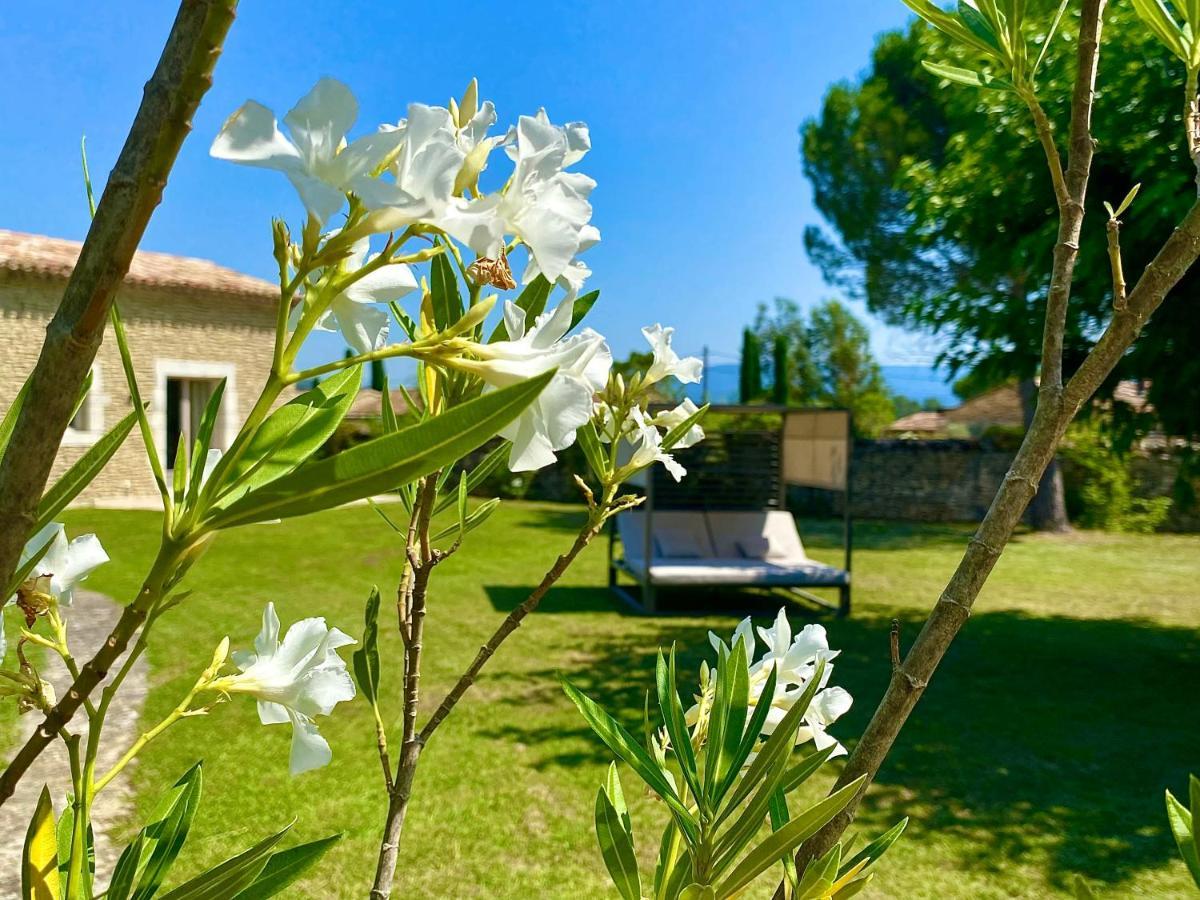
x: 1041, y: 750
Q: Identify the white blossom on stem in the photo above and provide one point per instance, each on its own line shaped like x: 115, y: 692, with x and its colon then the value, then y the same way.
x: 582, y: 362
x: 316, y: 158
x: 667, y: 362
x: 293, y: 681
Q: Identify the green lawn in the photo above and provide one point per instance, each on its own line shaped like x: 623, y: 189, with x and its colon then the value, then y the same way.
x: 1041, y: 750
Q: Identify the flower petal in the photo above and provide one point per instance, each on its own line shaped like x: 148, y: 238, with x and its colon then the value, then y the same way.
x: 320, y: 120
x: 251, y: 136
x: 309, y: 750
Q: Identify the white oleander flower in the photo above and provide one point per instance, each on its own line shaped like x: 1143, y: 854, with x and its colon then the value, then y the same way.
x: 671, y: 418
x: 794, y: 659
x: 354, y: 312
x: 544, y: 206
x: 294, y: 681
x: 642, y: 446
x: 576, y: 272
x: 582, y: 362
x: 667, y: 362
x: 316, y: 159
x: 63, y: 566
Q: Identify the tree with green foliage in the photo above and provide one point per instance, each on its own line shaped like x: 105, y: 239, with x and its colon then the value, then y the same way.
x: 780, y: 371
x: 941, y: 210
x: 750, y: 386
x: 378, y: 376
x: 829, y: 361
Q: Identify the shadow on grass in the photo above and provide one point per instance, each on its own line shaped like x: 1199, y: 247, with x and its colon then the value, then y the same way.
x: 1043, y: 741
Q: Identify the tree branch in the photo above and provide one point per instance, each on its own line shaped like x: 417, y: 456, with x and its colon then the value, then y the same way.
x: 163, y: 120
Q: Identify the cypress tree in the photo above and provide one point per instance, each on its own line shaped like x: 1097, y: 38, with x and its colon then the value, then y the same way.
x: 780, y: 371
x: 750, y: 372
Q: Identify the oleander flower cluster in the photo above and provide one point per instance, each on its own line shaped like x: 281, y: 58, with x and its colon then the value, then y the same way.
x: 794, y: 658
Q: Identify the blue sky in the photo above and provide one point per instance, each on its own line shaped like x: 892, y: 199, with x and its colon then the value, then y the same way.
x: 693, y: 110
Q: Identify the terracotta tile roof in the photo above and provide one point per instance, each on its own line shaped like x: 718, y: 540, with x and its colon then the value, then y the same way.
x: 48, y: 257
x: 925, y: 420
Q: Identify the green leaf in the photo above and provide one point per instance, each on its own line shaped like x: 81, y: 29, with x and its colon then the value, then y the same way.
x: 800, y: 773
x: 9, y: 422
x: 230, y: 877
x: 672, y: 710
x: 819, y: 875
x: 751, y: 735
x: 676, y: 434
x: 477, y: 517
x: 583, y: 306
x: 390, y: 422
x: 180, y: 472
x: 285, y: 867
x: 1156, y: 15
x: 627, y: 749
x: 948, y: 24
x: 616, y: 848
x: 728, y: 718
x: 444, y: 292
x: 82, y: 472
x: 1194, y: 793
x: 979, y: 26
x: 381, y: 464
x: 1062, y: 8
x: 876, y: 848
x: 39, y: 856
x: 1181, y: 823
x: 144, y: 864
x: 366, y: 658
x: 208, y: 421
x: 787, y: 839
x: 593, y: 452
x: 290, y: 435
x: 476, y: 476
x: 966, y: 76
x: 780, y: 816
x: 533, y: 300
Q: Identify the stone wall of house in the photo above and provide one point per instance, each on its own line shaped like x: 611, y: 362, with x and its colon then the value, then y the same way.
x: 171, y: 333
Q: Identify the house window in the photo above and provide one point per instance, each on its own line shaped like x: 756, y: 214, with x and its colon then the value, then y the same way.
x: 87, y: 425
x: 186, y: 400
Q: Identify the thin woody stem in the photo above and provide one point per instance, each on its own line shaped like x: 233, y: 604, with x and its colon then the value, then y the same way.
x: 1191, y: 120
x: 181, y: 78
x: 1113, y: 233
x: 513, y: 621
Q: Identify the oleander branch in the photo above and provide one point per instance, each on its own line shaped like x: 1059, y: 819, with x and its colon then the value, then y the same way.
x: 134, y: 189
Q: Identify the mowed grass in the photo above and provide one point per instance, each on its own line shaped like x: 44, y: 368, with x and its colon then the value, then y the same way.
x: 1041, y: 749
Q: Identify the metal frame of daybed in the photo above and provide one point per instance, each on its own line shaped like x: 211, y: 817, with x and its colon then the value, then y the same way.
x: 647, y: 602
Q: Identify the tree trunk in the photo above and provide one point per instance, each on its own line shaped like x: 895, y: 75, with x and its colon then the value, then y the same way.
x: 1048, y: 510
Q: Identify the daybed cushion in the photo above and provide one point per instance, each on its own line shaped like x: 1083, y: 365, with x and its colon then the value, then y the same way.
x: 767, y: 535
x: 678, y: 534
x: 738, y: 572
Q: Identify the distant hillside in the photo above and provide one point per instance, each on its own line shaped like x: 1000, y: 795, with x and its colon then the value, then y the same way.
x: 918, y: 382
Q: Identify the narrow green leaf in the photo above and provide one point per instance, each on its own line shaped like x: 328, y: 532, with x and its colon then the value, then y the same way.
x: 366, y: 658
x: 676, y: 434
x: 180, y: 472
x: 1062, y: 8
x: 752, y: 733
x: 380, y: 464
x: 787, y: 839
x: 390, y: 423
x: 39, y: 856
x: 1180, y: 820
x: 474, y: 519
x: 9, y: 422
x: 677, y: 730
x: 285, y: 867
x: 616, y: 848
x: 583, y: 306
x: 163, y: 837
x: 780, y: 816
x: 1156, y: 15
x: 980, y: 27
x: 82, y: 472
x: 627, y: 749
x: 800, y: 773
x: 230, y: 877
x: 876, y: 848
x: 208, y: 421
x: 966, y: 76
x: 593, y: 452
x: 444, y: 292
x: 729, y: 714
x: 290, y: 435
x: 477, y: 475
x: 819, y: 875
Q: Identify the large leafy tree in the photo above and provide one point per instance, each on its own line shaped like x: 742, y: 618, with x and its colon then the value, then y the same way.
x: 942, y: 212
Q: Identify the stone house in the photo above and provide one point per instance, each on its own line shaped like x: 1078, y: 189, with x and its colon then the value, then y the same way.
x: 190, y: 322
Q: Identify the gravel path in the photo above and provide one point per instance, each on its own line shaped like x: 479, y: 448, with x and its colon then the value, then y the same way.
x: 89, y: 623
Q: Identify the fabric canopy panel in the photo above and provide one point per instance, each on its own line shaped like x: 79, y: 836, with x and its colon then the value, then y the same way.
x: 816, y: 448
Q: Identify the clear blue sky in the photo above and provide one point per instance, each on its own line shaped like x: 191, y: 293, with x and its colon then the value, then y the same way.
x: 693, y: 109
